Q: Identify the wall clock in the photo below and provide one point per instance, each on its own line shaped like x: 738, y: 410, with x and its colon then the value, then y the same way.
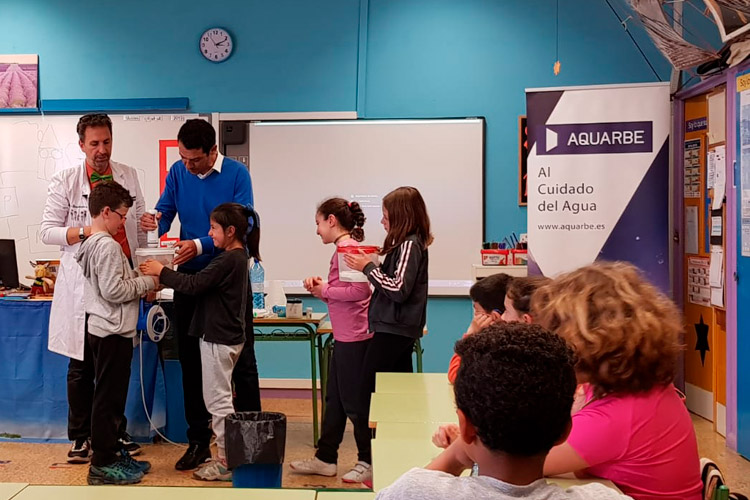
x: 216, y: 44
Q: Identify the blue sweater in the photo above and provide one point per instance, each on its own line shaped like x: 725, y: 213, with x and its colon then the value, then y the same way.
x: 194, y: 199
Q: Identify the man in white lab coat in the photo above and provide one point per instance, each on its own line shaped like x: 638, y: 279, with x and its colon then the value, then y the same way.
x: 66, y: 222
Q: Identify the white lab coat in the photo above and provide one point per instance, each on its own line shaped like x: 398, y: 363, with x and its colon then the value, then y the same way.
x: 67, y: 206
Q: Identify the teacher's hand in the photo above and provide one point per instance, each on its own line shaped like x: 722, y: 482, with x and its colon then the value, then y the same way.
x: 150, y: 222
x: 186, y: 250
x: 357, y: 261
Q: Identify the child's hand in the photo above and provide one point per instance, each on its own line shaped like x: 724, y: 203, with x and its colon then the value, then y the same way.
x: 317, y: 289
x: 445, y: 435
x: 151, y: 268
x: 357, y: 261
x: 310, y: 282
x: 479, y: 323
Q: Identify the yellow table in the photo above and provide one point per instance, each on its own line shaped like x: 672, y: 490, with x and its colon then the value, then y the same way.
x: 326, y: 328
x: 412, y: 407
x: 412, y: 382
x: 158, y: 493
x: 9, y: 490
x: 346, y: 495
x: 567, y: 482
x: 391, y: 458
x: 422, y: 431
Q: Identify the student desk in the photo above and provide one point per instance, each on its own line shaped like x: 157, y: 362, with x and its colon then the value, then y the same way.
x: 412, y: 382
x: 297, y: 330
x: 159, y: 493
x: 406, y: 430
x: 391, y: 458
x: 434, y: 408
x: 346, y: 495
x: 325, y: 328
x: 9, y: 490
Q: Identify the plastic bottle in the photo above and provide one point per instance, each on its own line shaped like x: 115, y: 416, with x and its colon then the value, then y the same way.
x: 257, y: 277
x: 153, y: 236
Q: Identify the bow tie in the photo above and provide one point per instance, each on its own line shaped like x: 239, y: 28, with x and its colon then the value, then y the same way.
x: 95, y: 177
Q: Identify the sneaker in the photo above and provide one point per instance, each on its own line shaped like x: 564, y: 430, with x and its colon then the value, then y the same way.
x: 138, y: 465
x: 127, y: 444
x: 117, y: 473
x: 361, y: 472
x: 80, y: 452
x: 213, y: 471
x: 313, y: 466
x: 194, y: 456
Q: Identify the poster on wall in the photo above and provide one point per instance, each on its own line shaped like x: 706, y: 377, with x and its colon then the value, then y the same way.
x: 692, y: 168
x: 699, y: 290
x: 743, y: 86
x: 598, y: 177
x: 19, y: 80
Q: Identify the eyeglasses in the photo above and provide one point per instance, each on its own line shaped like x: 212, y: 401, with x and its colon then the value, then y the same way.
x: 125, y: 216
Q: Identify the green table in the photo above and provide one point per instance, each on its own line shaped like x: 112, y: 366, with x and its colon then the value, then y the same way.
x: 159, y: 493
x: 412, y: 382
x: 298, y: 330
x: 393, y: 457
x: 431, y: 408
x: 346, y: 495
x: 9, y: 490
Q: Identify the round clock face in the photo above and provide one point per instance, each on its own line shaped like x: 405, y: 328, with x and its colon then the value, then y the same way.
x: 216, y: 44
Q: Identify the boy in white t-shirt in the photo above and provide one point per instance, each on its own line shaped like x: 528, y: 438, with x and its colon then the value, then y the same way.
x: 514, y: 392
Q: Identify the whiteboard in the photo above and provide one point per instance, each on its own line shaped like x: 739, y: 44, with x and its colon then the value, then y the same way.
x: 296, y: 165
x: 35, y: 147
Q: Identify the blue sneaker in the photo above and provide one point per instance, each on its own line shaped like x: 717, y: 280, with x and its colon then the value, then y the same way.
x: 137, y: 465
x: 119, y: 472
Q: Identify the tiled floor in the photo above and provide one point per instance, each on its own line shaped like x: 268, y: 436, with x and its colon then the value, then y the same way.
x: 45, y: 463
x: 736, y: 468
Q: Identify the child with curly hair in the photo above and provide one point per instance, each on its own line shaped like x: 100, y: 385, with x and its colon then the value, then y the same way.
x: 631, y: 426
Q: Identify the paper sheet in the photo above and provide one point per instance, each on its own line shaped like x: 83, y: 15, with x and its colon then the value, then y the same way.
x: 720, y: 177
x: 699, y: 292
x: 716, y: 226
x: 717, y: 296
x: 692, y: 167
x: 716, y: 118
x: 717, y: 266
x: 710, y: 169
x: 691, y: 229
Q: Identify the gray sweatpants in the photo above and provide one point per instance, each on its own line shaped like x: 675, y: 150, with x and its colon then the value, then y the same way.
x: 217, y: 361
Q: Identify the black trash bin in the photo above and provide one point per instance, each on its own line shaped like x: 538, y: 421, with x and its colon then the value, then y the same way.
x: 255, y: 443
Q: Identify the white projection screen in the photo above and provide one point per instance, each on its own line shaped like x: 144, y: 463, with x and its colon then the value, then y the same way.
x: 296, y: 165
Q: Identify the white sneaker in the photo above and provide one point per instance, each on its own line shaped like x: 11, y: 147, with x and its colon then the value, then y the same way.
x: 313, y: 466
x: 213, y: 471
x: 360, y: 473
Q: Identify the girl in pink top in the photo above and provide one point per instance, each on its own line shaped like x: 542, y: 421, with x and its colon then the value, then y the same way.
x: 629, y: 424
x: 340, y: 222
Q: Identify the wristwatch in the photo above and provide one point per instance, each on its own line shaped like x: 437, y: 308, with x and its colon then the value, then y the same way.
x: 81, y: 235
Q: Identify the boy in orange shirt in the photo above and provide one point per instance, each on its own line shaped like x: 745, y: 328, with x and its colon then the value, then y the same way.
x: 487, y: 297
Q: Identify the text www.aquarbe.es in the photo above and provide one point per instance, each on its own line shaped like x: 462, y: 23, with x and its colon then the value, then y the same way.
x: 571, y: 227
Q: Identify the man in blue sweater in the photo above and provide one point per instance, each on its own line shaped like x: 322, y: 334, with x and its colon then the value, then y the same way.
x: 195, y: 185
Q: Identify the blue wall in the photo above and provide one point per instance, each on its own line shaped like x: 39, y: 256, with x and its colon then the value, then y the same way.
x: 382, y: 58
